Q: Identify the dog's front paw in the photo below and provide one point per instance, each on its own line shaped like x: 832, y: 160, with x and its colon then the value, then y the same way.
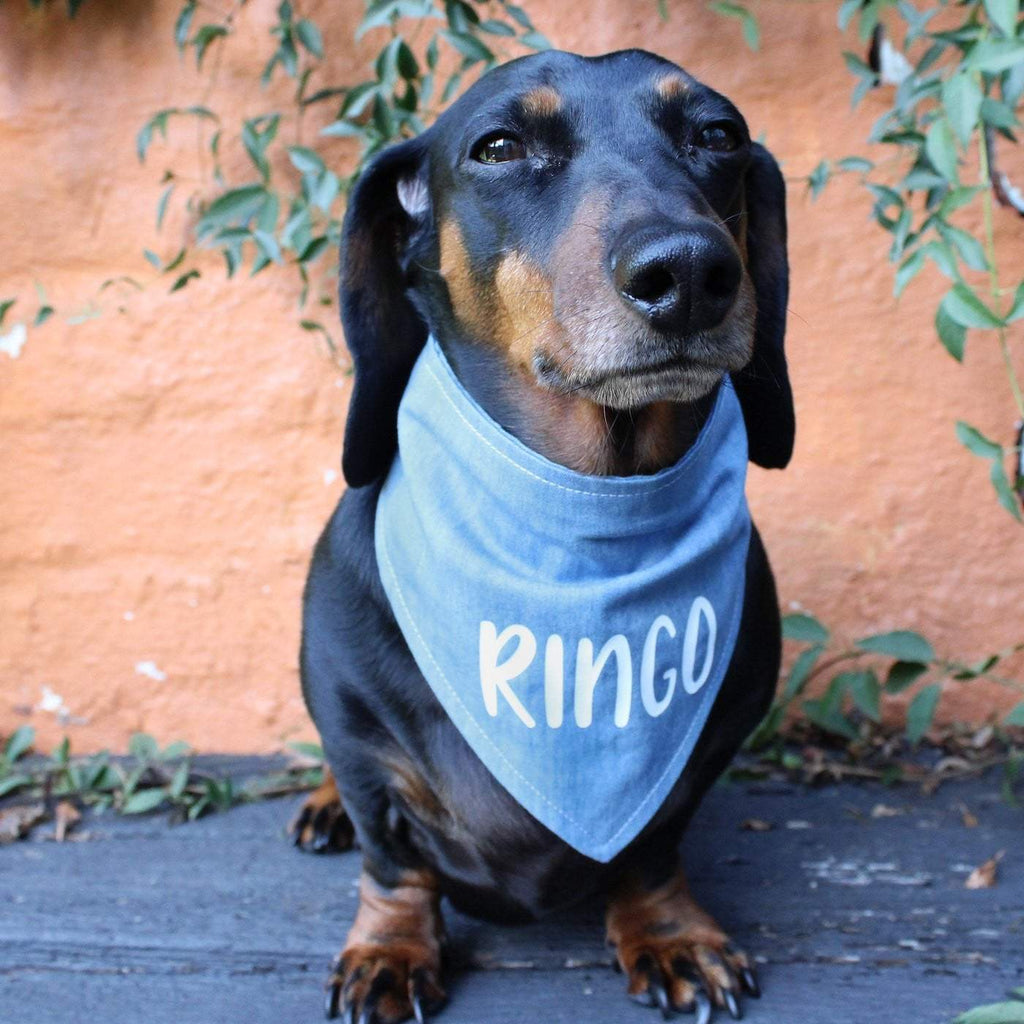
x: 322, y: 825
x: 384, y: 984
x: 390, y: 967
x: 675, y: 955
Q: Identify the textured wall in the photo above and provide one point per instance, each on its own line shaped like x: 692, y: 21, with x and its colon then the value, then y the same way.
x: 165, y: 472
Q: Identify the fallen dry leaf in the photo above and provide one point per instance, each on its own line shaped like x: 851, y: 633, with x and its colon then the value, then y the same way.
x: 66, y: 816
x: 984, y: 875
x: 17, y: 822
x: 756, y: 825
x: 969, y: 820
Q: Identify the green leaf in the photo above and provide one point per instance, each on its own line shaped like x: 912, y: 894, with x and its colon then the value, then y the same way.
x: 204, y: 37
x: 535, y: 41
x: 996, y: 55
x: 902, y: 644
x: 942, y: 256
x: 969, y: 248
x: 921, y: 712
x: 315, y: 247
x: 1003, y: 14
x: 903, y: 674
x: 179, y: 748
x: 11, y: 783
x: 952, y: 334
x: 801, y: 670
x: 268, y: 245
x: 1004, y: 492
x: 161, y: 208
x: 405, y: 60
x: 908, y: 270
x: 748, y: 23
x: 976, y: 442
x: 961, y: 99
x: 42, y: 315
x: 20, y: 741
x: 143, y: 746
x: 144, y: 800
x: 994, y: 1013
x: 818, y: 178
x: 184, y: 24
x: 824, y: 714
x: 469, y: 46
x: 855, y: 163
x: 5, y: 305
x: 496, y: 28
x: 804, y: 628
x: 309, y: 35
x: 866, y: 692
x: 236, y: 206
x: 1016, y: 715
x: 305, y: 160
x: 967, y: 309
x: 998, y: 114
x: 940, y: 145
x: 179, y: 781
x: 183, y: 280
x: 1016, y: 310
x: 847, y: 10
x: 343, y: 129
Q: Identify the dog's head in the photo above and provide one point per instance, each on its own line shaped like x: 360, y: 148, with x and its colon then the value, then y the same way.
x: 582, y: 235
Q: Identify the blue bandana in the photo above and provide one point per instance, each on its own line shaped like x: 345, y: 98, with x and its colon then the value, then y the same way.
x: 575, y: 628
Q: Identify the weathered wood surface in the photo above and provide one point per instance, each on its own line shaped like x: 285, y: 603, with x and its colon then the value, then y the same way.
x: 853, y: 918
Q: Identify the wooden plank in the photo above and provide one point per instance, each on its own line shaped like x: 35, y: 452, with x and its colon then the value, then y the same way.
x: 853, y: 918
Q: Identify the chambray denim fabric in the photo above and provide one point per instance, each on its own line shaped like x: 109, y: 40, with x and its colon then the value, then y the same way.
x: 509, y: 574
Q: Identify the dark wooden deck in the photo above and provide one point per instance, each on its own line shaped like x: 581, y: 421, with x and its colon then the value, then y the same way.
x: 853, y: 918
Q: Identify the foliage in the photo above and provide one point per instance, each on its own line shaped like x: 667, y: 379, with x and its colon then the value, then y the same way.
x: 862, y: 678
x: 959, y: 80
x: 287, y: 211
x: 150, y: 778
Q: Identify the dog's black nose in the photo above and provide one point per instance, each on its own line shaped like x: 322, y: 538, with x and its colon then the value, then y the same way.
x: 683, y: 281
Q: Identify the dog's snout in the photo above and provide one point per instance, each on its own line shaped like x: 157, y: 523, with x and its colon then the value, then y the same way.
x: 682, y: 281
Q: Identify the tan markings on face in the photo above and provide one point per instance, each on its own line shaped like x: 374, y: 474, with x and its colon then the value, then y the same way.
x: 469, y: 301
x: 523, y: 313
x: 593, y: 320
x: 544, y: 101
x: 671, y: 86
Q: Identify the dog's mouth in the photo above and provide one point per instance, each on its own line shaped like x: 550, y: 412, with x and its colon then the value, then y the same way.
x: 636, y: 382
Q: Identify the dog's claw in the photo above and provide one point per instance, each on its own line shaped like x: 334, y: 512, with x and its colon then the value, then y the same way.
x: 661, y: 998
x: 703, y: 1008
x: 750, y: 983
x: 732, y: 1004
x: 331, y: 1002
x: 322, y: 824
x: 417, y: 985
x: 417, y: 1010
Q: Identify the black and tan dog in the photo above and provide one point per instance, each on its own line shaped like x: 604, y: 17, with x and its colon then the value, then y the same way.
x: 595, y: 242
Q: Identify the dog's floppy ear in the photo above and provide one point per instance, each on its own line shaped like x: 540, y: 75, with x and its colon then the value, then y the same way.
x: 763, y: 385
x: 383, y: 331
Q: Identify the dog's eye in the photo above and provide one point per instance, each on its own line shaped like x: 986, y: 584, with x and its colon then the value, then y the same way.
x: 499, y: 149
x: 721, y: 137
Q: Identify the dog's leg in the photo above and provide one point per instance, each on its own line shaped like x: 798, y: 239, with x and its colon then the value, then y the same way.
x: 322, y: 824
x: 390, y: 967
x: 673, y: 952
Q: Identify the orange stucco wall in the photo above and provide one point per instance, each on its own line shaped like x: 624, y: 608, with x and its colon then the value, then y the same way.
x: 164, y: 472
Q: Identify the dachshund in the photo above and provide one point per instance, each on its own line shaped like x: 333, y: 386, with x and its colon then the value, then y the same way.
x: 599, y: 249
